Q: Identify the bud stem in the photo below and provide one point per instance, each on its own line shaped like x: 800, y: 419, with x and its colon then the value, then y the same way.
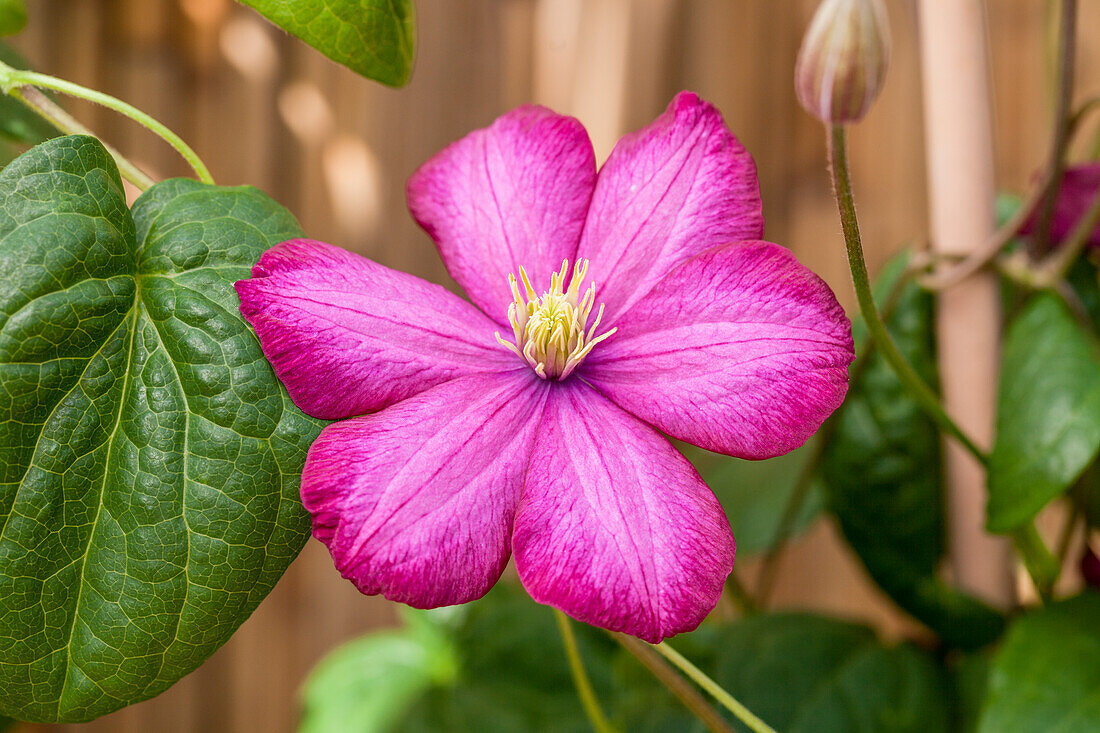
x: 21, y: 85
x: 921, y: 392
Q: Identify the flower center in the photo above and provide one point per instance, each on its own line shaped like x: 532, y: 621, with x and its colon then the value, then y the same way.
x: 550, y: 331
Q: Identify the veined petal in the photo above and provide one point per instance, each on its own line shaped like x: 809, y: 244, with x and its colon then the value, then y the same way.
x: 615, y: 527
x: 513, y: 194
x: 416, y: 502
x: 668, y: 192
x: 740, y: 350
x: 348, y: 336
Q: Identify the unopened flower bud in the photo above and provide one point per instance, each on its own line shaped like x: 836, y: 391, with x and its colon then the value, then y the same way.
x: 843, y: 60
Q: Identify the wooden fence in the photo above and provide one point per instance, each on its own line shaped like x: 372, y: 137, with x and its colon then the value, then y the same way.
x: 263, y: 109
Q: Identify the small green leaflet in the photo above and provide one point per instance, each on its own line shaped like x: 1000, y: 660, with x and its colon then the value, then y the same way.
x: 367, y: 685
x: 375, y: 38
x: 149, y: 459
x: 1048, y: 413
x: 1046, y: 676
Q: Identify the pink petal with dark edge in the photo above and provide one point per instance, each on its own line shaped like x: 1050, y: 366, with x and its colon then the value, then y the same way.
x: 615, y: 527
x: 416, y: 502
x: 512, y: 194
x: 668, y: 192
x: 348, y: 336
x: 740, y: 350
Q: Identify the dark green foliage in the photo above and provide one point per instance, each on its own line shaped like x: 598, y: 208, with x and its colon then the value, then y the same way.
x: 883, y: 469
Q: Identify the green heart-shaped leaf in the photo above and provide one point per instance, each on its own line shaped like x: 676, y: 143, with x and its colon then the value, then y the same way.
x: 149, y: 459
x: 375, y: 38
x: 1046, y: 677
x: 1048, y: 413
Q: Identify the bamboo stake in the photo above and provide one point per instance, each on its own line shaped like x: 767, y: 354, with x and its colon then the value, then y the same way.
x: 959, y: 132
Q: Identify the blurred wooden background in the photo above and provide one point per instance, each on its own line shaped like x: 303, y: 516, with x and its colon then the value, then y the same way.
x: 263, y: 109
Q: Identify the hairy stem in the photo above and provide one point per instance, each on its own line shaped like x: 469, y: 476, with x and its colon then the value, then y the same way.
x: 66, y: 123
x: 727, y: 700
x: 921, y: 392
x: 580, y: 678
x: 21, y: 84
x: 675, y: 683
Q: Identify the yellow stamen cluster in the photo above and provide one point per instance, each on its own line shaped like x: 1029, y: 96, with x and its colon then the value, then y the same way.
x: 550, y: 331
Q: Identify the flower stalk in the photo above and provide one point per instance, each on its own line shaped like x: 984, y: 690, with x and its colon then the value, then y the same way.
x: 728, y: 701
x: 24, y: 86
x: 675, y: 683
x: 585, y: 692
x: 921, y: 392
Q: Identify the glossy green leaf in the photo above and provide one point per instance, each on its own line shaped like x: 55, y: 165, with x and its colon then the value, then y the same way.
x: 367, y: 685
x: 13, y: 16
x: 1048, y: 413
x: 17, y: 122
x: 810, y: 674
x: 755, y: 494
x: 149, y: 459
x: 375, y: 38
x: 1046, y: 677
x: 883, y: 470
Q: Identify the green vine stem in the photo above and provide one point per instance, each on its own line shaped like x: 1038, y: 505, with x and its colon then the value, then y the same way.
x: 727, y: 700
x: 69, y: 125
x: 675, y: 683
x: 24, y: 85
x: 1041, y: 564
x: 922, y: 393
x: 587, y: 695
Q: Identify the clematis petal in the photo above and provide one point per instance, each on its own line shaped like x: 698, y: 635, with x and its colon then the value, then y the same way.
x: 615, y: 527
x: 1080, y: 187
x: 740, y: 350
x: 348, y: 336
x: 513, y: 194
x: 668, y: 192
x: 416, y: 502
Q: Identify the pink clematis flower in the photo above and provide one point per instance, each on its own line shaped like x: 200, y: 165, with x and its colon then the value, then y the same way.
x: 1080, y: 186
x: 529, y: 423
